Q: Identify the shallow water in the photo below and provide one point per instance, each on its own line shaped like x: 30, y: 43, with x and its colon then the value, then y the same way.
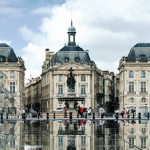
x: 75, y: 135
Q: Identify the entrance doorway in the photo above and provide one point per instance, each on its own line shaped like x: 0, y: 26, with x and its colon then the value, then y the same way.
x: 144, y: 111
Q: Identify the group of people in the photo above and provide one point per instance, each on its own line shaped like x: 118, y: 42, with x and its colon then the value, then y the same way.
x: 21, y: 112
x: 82, y: 112
x: 128, y: 112
x: 32, y: 113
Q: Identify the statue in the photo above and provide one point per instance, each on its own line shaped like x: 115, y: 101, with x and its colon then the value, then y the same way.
x: 71, y: 80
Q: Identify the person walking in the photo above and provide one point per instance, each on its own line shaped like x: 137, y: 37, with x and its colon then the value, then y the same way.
x: 127, y: 111
x: 65, y: 113
x: 84, y: 111
x: 23, y: 113
x: 117, y: 113
x: 89, y: 111
x: 97, y: 107
x: 78, y: 111
x: 30, y: 112
x: 101, y: 112
x: 122, y: 114
x: 133, y: 111
x: 81, y: 112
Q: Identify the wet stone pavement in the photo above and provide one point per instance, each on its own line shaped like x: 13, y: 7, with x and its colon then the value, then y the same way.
x: 75, y: 135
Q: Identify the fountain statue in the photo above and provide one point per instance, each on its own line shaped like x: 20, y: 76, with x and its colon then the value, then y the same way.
x: 6, y: 98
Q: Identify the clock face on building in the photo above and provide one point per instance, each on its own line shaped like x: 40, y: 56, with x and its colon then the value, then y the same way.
x: 66, y: 59
x: 77, y: 59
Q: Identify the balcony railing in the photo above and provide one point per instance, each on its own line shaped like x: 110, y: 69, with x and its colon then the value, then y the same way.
x: 60, y: 95
x: 144, y: 92
x: 82, y: 95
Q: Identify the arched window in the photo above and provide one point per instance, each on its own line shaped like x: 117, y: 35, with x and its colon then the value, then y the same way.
x: 143, y: 100
x: 66, y: 59
x: 131, y: 100
x: 71, y: 38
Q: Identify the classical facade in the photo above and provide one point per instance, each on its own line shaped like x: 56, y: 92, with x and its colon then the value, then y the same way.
x: 88, y: 78
x: 13, y: 67
x: 134, y: 72
x: 71, y: 64
x: 33, y: 94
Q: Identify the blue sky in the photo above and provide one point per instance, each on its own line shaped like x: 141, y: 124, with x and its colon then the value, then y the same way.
x: 107, y: 28
x: 17, y: 13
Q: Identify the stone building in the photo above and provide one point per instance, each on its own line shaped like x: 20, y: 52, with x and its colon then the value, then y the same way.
x: 33, y: 94
x: 13, y: 67
x: 134, y: 72
x: 89, y: 79
x: 135, y: 132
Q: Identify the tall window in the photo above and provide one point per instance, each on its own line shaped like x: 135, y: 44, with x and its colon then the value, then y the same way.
x: 131, y: 141
x: 143, y: 74
x: 143, y: 142
x: 60, y: 78
x: 60, y: 140
x: 131, y: 74
x: 131, y: 87
x: 143, y: 87
x: 83, y: 140
x: 60, y: 89
x: 143, y: 129
x: 131, y: 130
x: 83, y: 89
x: 143, y: 100
x: 131, y: 100
x: 82, y: 78
x: 12, y: 74
x: 12, y: 87
x: 143, y: 58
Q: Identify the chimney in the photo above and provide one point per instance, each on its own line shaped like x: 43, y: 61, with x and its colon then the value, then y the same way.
x: 46, y: 54
x: 51, y: 55
x: 87, y: 51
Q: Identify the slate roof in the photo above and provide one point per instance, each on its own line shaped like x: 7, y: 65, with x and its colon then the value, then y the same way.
x: 140, y: 49
x: 3, y: 45
x: 7, y: 52
x: 71, y: 48
x: 72, y: 53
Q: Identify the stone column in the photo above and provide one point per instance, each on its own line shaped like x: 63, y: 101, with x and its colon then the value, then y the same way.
x: 77, y: 85
x: 88, y: 84
x: 55, y: 84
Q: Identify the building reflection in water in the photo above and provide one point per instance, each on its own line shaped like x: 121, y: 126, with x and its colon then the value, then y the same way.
x: 74, y: 135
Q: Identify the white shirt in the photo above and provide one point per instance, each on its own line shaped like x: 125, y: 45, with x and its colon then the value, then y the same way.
x: 23, y: 111
x: 101, y: 110
x: 117, y: 111
x: 89, y: 111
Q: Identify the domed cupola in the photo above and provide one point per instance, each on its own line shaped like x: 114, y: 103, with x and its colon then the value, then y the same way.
x: 71, y: 35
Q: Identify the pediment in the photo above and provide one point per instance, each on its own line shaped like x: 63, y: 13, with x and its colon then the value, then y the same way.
x: 75, y: 66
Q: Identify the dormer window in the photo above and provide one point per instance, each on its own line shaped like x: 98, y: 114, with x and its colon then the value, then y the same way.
x: 77, y: 59
x: 66, y: 59
x: 2, y: 58
x: 143, y: 58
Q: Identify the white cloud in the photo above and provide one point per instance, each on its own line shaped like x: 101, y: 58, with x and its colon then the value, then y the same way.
x: 42, y: 10
x: 107, y: 28
x: 5, y: 41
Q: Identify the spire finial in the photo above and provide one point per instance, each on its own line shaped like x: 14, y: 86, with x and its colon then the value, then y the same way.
x: 71, y: 23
